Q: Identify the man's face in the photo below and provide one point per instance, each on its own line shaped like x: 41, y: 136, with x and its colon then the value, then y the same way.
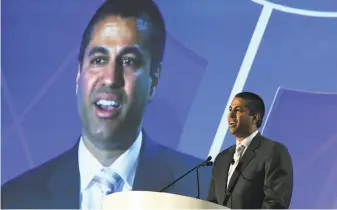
x: 114, y: 83
x: 240, y: 122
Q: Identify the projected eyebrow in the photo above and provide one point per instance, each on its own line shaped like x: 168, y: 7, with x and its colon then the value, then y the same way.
x: 127, y: 50
x: 98, y: 50
x: 132, y: 50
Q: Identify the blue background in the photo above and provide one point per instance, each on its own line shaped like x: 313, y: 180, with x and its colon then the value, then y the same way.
x: 206, y: 46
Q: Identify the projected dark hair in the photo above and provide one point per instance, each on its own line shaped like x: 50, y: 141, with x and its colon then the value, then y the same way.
x: 255, y: 105
x: 145, y: 9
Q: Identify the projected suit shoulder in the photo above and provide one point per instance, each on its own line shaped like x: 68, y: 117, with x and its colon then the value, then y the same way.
x: 260, y: 174
x: 119, y: 67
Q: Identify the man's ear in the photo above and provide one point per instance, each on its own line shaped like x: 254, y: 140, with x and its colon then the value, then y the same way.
x: 256, y: 117
x: 155, y: 75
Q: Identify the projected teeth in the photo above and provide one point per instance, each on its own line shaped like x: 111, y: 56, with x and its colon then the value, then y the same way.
x: 107, y: 104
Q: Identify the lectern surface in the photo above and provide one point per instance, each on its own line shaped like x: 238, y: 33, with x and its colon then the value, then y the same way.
x: 154, y: 200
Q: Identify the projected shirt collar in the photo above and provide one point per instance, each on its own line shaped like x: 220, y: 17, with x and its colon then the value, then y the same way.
x: 125, y: 165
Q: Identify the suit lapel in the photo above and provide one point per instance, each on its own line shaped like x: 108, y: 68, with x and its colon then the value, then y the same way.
x: 64, y: 181
x: 153, y: 171
x: 226, y: 164
x: 245, y: 160
x: 222, y: 173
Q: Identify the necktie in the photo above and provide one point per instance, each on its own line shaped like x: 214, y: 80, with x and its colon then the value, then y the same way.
x: 237, y: 155
x: 238, y: 152
x: 106, y: 182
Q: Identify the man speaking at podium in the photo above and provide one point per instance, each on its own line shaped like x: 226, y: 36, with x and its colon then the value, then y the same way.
x: 256, y: 172
x: 119, y: 67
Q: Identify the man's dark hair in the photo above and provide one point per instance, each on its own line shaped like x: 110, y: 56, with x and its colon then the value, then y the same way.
x: 254, y: 104
x: 130, y: 9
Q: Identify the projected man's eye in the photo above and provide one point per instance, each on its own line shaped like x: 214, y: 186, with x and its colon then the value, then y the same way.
x: 98, y: 60
x: 130, y: 62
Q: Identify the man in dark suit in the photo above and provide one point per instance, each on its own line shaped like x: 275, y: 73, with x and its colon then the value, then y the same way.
x: 256, y: 172
x: 119, y: 66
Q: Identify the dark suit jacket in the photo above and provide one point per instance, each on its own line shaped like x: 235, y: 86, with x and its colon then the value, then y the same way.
x: 56, y: 183
x: 262, y: 179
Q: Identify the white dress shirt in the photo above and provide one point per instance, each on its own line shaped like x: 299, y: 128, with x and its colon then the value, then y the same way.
x: 125, y: 166
x: 246, y: 142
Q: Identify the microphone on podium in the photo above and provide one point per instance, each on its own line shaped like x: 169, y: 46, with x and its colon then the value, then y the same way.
x: 206, y: 162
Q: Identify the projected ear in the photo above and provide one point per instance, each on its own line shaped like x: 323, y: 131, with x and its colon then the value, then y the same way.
x: 155, y: 75
x: 78, y: 77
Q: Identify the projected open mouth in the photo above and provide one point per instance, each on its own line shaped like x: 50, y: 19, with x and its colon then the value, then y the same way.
x: 107, y: 105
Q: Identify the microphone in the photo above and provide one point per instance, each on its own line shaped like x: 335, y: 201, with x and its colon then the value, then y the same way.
x: 207, y: 162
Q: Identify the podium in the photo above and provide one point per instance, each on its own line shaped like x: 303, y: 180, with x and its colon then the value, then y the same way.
x: 154, y: 200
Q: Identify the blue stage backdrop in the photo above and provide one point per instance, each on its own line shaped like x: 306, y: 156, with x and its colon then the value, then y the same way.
x: 283, y: 50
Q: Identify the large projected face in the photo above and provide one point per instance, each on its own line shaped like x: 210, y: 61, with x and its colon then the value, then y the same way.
x: 114, y: 83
